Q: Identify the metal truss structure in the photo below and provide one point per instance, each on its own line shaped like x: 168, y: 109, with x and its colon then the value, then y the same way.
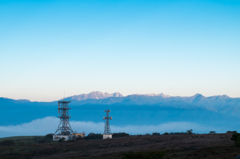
x: 64, y: 127
x: 107, y: 129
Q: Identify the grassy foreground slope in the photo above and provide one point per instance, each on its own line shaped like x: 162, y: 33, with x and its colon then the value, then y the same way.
x: 194, y: 146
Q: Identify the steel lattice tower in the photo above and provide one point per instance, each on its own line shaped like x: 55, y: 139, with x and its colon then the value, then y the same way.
x: 64, y: 127
x: 107, y: 129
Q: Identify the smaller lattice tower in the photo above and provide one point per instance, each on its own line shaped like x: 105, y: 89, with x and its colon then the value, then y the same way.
x: 107, y: 130
x: 64, y: 127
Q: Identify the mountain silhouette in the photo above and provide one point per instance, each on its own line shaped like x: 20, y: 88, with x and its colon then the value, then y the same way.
x: 132, y: 109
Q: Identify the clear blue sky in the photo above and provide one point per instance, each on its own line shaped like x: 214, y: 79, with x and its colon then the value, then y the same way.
x: 177, y: 47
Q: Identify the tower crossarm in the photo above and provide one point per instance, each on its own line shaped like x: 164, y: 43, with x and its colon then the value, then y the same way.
x: 64, y: 117
x: 64, y: 108
x: 107, y: 118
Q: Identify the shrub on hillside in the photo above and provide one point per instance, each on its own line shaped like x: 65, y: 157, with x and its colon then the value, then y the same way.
x: 144, y: 155
x: 177, y: 133
x: 232, y: 132
x: 93, y: 136
x: 123, y: 134
x: 49, y: 136
x: 236, y: 138
x: 212, y: 132
x: 155, y: 133
x: 7, y: 143
x: 190, y: 131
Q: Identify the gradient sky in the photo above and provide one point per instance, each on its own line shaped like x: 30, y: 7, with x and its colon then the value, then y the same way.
x: 177, y: 47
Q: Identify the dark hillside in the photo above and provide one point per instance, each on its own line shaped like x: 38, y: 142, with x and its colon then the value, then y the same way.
x: 209, y: 146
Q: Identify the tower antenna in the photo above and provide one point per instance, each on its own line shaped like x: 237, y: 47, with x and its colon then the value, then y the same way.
x: 107, y: 131
x: 64, y: 128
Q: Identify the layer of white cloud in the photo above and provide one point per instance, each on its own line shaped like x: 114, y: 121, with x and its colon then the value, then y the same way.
x: 49, y: 125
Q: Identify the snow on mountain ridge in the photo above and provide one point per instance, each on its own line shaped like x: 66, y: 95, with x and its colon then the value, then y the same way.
x: 100, y: 95
x: 94, y: 95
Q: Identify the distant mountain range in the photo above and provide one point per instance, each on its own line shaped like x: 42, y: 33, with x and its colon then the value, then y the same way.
x: 131, y: 109
x: 220, y: 103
